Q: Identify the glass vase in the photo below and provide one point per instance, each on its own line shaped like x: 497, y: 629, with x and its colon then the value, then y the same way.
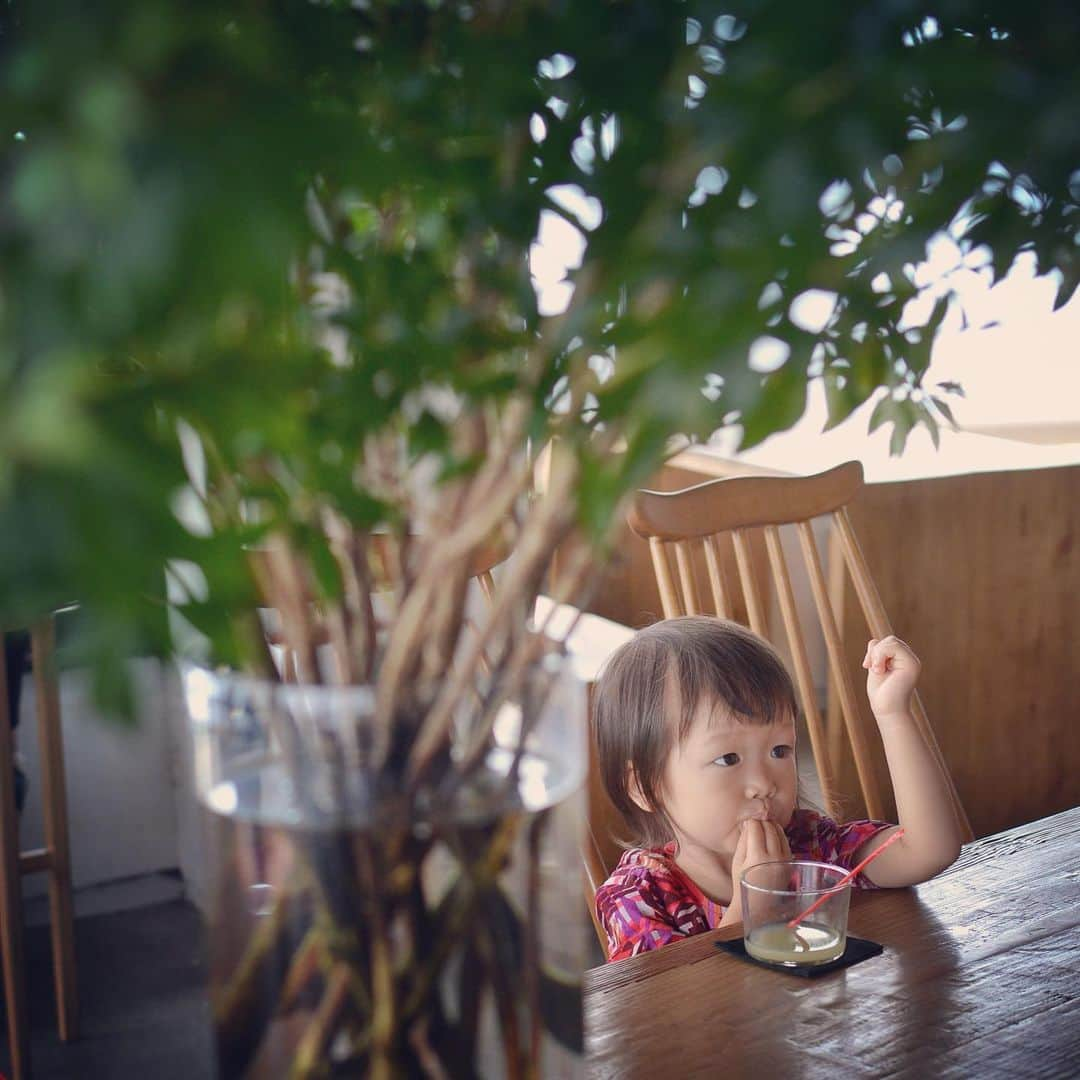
x: 367, y: 922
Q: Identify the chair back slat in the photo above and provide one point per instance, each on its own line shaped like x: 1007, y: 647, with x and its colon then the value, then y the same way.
x: 747, y: 576
x: 742, y: 502
x: 669, y: 597
x: 804, y: 680
x: 860, y: 743
x: 878, y: 622
x: 720, y: 599
x: 691, y: 601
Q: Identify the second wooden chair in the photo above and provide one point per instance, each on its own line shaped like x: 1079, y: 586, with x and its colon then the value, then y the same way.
x: 54, y: 859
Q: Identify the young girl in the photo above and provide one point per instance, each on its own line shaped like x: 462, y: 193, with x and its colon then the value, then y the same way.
x: 695, y: 729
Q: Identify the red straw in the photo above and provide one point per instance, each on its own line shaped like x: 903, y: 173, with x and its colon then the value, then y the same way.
x: 845, y: 879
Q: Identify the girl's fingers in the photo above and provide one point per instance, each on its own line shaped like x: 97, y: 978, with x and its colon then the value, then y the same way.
x: 738, y: 858
x: 756, y: 847
x: 882, y: 654
x: 777, y: 842
x: 772, y: 840
x: 740, y: 845
x: 879, y: 656
x: 768, y: 830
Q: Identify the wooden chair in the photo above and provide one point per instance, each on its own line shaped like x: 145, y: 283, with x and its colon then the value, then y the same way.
x: 54, y: 859
x: 691, y: 525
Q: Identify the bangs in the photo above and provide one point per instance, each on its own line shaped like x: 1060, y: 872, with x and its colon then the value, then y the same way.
x: 742, y: 673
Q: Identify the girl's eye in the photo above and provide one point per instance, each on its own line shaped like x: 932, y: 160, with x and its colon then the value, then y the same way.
x: 781, y: 751
x: 726, y: 760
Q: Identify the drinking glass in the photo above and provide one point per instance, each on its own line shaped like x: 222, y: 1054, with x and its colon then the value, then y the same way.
x: 773, y: 893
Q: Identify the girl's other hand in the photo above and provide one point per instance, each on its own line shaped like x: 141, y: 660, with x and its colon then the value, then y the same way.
x: 892, y: 672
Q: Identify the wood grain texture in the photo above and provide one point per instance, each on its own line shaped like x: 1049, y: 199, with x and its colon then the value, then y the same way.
x: 851, y: 555
x: 981, y: 574
x: 979, y: 978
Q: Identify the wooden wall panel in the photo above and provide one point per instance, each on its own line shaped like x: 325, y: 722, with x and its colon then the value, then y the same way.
x: 980, y: 574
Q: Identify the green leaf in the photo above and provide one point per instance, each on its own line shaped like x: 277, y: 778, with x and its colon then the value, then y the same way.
x: 945, y: 410
x: 931, y: 424
x: 780, y: 404
x: 378, y: 242
x: 841, y: 400
x: 952, y: 388
x: 112, y: 690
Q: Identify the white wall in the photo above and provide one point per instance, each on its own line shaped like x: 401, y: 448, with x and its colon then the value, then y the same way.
x: 120, y: 780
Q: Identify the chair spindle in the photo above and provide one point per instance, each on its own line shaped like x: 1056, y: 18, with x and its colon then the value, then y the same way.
x: 860, y: 745
x: 721, y: 603
x: 803, y: 677
x: 691, y: 599
x: 744, y: 559
x: 669, y: 598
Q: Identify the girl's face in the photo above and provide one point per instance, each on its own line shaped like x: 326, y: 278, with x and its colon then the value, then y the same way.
x: 724, y: 772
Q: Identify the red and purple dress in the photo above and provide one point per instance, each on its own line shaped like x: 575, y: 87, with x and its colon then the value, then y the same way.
x: 648, y: 901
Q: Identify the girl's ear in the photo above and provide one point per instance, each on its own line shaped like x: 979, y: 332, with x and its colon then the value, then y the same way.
x: 633, y: 789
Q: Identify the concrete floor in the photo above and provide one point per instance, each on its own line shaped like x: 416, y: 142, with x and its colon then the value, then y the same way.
x: 142, y: 996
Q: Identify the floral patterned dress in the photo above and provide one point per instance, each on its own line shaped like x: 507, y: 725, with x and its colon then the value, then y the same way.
x: 648, y: 901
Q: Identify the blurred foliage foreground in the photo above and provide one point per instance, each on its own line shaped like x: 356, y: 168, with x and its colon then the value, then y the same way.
x: 269, y: 268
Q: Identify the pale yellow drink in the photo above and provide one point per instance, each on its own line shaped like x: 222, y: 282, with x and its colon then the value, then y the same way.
x: 809, y: 944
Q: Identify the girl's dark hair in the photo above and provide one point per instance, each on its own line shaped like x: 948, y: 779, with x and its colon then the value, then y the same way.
x: 679, y: 661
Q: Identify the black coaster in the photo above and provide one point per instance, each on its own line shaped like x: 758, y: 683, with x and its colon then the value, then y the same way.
x: 857, y: 949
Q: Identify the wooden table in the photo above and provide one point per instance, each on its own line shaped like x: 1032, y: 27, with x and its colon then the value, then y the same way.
x: 980, y: 978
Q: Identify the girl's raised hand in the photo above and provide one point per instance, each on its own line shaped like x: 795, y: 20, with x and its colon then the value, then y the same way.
x: 892, y: 672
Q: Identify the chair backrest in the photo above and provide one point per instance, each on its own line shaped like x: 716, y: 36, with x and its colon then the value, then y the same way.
x: 686, y: 530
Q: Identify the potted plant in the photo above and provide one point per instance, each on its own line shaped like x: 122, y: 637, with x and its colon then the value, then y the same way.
x: 280, y: 355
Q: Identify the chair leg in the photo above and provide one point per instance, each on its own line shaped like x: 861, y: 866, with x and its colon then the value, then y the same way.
x: 54, y: 801
x: 11, y: 922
